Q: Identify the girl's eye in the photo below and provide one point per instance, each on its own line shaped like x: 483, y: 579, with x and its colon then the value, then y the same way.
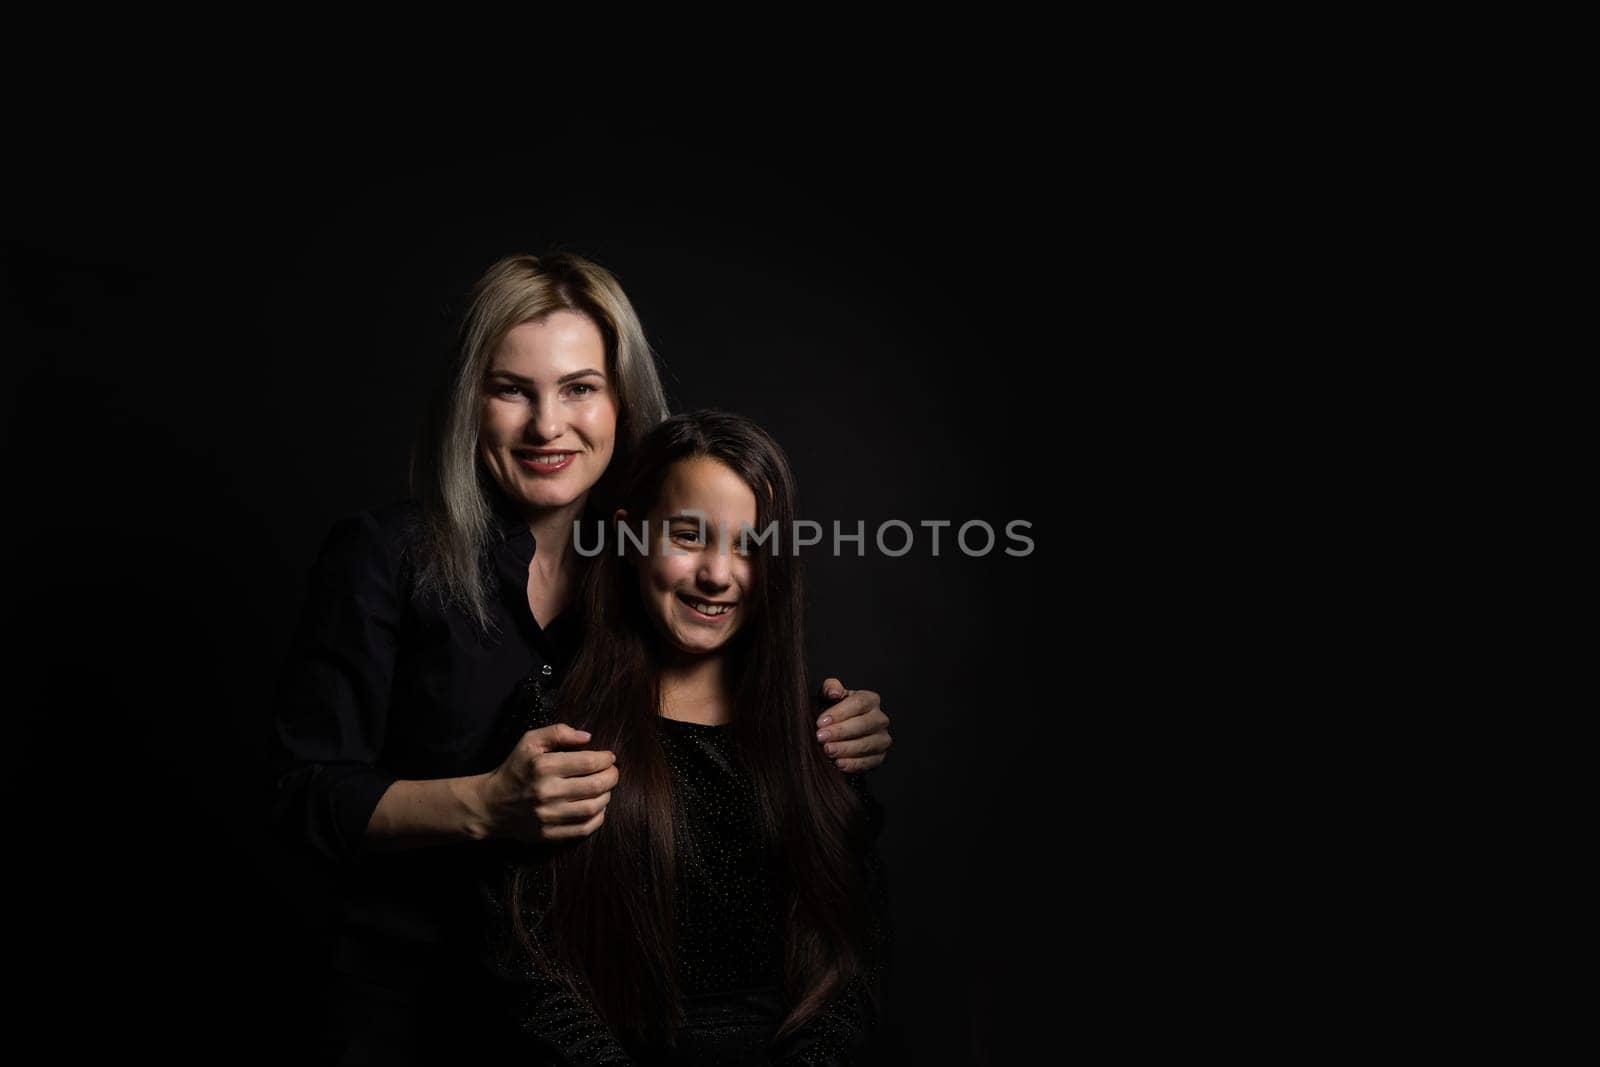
x: 691, y: 536
x: 587, y: 389
x: 506, y: 389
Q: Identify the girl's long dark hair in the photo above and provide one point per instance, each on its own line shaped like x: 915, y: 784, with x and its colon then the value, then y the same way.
x: 606, y: 903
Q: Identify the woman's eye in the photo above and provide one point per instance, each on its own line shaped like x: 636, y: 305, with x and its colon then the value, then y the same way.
x: 691, y: 536
x: 586, y: 389
x: 506, y: 389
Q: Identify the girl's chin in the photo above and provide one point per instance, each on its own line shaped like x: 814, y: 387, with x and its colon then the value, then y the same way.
x: 699, y: 648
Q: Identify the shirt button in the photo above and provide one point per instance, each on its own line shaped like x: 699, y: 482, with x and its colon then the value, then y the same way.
x: 545, y: 670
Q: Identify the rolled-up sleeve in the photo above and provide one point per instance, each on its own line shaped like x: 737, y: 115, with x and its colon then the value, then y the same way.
x: 332, y: 698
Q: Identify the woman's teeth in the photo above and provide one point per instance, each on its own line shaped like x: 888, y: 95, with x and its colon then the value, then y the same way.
x: 548, y: 460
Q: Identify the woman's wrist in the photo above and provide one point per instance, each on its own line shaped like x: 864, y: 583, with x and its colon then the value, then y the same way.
x: 474, y: 808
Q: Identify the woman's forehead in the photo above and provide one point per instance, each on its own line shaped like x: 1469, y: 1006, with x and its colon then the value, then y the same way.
x: 559, y: 344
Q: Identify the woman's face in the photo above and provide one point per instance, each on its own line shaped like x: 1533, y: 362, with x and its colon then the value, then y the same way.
x: 694, y: 581
x: 549, y: 419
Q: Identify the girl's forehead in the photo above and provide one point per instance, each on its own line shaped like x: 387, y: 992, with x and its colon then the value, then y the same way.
x: 708, y: 485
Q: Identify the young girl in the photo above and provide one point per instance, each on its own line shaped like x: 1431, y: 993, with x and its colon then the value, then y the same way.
x: 731, y: 908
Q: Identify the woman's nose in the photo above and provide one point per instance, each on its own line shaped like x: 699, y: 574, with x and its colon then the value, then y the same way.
x: 545, y: 420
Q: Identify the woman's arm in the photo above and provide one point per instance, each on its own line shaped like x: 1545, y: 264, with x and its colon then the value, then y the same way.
x: 332, y: 713
x: 414, y: 813
x: 333, y: 695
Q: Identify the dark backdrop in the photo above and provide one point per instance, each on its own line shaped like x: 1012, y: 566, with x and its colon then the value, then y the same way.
x: 214, y: 354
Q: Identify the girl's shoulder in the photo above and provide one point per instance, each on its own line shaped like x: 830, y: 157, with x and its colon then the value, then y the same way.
x: 871, y: 807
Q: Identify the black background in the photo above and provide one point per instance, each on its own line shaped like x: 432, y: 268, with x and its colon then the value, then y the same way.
x: 215, y: 354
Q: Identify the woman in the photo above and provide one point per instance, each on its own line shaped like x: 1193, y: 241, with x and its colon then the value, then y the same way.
x: 425, y: 618
x: 732, y: 896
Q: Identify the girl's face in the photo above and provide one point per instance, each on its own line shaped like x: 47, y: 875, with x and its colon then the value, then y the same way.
x: 694, y: 580
x: 549, y: 418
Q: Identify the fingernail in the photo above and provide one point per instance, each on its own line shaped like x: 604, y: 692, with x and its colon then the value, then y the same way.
x: 828, y: 749
x: 822, y: 735
x: 826, y: 719
x: 835, y: 694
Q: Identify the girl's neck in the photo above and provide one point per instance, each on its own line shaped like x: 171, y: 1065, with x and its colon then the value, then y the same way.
x: 695, y: 689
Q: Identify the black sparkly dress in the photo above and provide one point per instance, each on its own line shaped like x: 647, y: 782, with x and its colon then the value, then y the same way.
x: 729, y: 934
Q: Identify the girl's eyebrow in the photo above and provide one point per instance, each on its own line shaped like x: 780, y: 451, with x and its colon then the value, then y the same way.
x: 563, y: 380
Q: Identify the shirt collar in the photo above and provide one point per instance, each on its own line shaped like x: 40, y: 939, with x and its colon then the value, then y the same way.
x: 513, y: 528
x: 511, y: 558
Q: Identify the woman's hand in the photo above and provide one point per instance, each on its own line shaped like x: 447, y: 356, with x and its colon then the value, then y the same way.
x: 539, y: 794
x: 853, y: 732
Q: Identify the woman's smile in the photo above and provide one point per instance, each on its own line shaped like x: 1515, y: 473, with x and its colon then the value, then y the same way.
x: 549, y: 419
x: 543, y: 460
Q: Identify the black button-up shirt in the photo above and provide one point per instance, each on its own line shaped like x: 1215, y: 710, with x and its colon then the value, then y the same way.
x: 384, y: 683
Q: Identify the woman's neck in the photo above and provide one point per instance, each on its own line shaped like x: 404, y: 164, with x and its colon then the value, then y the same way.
x: 554, y: 563
x: 552, y: 538
x: 695, y: 689
x: 552, y: 529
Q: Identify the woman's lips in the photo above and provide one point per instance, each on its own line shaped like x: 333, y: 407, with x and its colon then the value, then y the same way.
x: 531, y: 461
x: 690, y: 602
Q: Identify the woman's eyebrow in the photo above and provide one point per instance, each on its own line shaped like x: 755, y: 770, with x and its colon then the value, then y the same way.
x: 563, y: 380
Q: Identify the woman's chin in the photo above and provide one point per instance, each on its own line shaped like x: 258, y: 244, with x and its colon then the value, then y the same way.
x: 549, y: 498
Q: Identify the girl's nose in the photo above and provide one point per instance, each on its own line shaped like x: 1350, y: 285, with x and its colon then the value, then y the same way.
x: 715, y: 566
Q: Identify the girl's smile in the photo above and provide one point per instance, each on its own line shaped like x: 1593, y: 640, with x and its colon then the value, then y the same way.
x: 694, y: 579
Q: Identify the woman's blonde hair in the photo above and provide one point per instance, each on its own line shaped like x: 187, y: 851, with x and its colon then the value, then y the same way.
x: 447, y: 477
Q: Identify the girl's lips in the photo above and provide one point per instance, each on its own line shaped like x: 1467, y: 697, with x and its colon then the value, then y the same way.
x: 528, y: 463
x: 686, y: 602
